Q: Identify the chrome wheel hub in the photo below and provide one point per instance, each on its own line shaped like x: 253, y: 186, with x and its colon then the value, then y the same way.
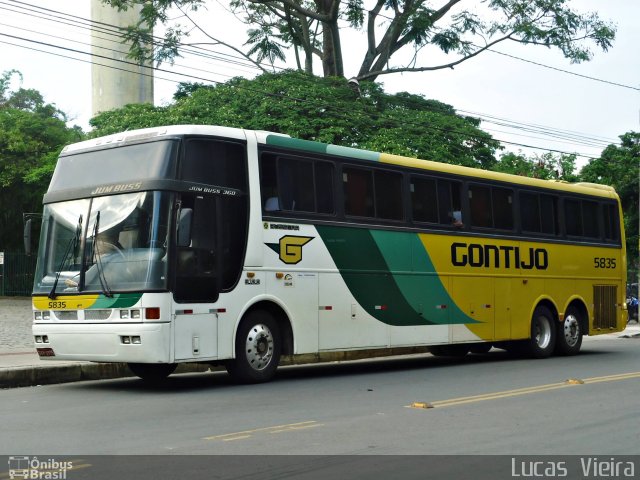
x: 259, y: 347
x: 571, y: 330
x: 543, y: 332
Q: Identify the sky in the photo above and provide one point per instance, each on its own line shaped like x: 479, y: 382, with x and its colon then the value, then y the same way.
x: 505, y: 92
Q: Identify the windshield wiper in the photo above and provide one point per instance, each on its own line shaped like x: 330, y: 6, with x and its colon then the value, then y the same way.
x: 96, y: 258
x: 71, y: 248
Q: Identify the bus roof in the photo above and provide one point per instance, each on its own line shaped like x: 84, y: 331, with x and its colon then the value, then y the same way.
x: 385, y: 158
x: 284, y: 141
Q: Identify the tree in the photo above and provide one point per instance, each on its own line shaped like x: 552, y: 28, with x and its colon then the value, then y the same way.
x: 547, y: 166
x: 296, y: 104
x: 32, y: 133
x: 618, y: 166
x: 314, y: 30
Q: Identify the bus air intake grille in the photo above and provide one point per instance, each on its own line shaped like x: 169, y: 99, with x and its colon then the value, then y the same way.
x: 97, y: 314
x: 66, y: 314
x: 604, y: 306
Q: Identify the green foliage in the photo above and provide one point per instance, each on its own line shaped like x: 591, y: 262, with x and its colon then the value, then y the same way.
x: 32, y: 133
x: 618, y: 166
x: 548, y: 166
x: 321, y: 109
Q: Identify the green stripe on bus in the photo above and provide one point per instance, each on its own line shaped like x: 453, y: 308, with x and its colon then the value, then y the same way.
x: 417, y: 278
x: 119, y: 300
x: 318, y: 147
x: 367, y: 258
x: 353, y: 153
x: 294, y: 143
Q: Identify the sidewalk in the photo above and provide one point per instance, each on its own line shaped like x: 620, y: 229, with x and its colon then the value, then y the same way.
x: 20, y: 365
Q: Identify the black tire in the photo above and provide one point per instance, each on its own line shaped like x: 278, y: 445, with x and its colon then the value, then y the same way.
x: 570, y: 333
x: 152, y: 372
x: 457, y: 350
x: 543, y: 334
x: 258, y: 348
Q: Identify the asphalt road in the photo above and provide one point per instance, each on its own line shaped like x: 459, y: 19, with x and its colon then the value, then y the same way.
x: 482, y: 404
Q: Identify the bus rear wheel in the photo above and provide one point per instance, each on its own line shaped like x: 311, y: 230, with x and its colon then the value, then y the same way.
x: 543, y: 333
x: 152, y: 372
x: 570, y: 335
x: 258, y: 348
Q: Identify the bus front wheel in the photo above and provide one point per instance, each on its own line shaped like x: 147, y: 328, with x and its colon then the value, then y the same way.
x: 152, y: 372
x: 258, y: 348
x: 543, y: 333
x: 570, y: 333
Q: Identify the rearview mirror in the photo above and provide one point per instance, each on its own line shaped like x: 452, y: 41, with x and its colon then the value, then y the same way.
x: 184, y: 227
x: 27, y: 237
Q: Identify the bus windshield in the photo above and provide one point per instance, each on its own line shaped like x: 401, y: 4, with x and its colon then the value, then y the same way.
x: 106, y: 244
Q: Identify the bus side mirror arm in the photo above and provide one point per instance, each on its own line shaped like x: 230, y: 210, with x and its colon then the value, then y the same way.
x: 184, y: 227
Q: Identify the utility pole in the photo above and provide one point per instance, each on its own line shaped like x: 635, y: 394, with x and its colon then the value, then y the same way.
x: 115, y: 83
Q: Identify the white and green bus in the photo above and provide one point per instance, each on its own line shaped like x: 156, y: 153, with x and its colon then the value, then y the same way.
x: 235, y: 247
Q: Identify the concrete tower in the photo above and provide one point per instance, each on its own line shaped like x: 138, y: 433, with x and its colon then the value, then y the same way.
x: 115, y: 87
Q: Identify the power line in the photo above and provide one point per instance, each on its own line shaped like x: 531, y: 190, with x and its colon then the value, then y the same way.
x: 622, y: 85
x: 199, y: 78
x: 213, y: 81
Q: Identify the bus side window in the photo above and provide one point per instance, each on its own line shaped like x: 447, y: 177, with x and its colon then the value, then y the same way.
x: 480, y: 206
x: 611, y: 233
x: 449, y: 203
x: 358, y: 192
x: 388, y: 187
x: 424, y: 199
x: 269, y: 183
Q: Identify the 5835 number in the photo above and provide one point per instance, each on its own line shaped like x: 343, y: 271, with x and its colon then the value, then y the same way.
x: 57, y: 304
x: 603, y: 262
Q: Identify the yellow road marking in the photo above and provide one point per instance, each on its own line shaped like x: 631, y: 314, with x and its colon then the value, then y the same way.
x: 525, y: 391
x: 301, y: 427
x: 274, y: 429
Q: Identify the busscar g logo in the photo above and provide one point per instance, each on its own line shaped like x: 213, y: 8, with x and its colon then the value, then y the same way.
x: 289, y: 248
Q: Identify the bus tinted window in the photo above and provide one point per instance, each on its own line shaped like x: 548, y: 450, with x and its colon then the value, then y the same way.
x: 449, y: 203
x: 295, y: 182
x: 269, y: 183
x: 502, y: 208
x: 424, y: 199
x: 214, y: 163
x: 530, y: 212
x: 610, y: 214
x: 480, y: 206
x: 324, y: 187
x: 436, y: 201
x: 549, y: 214
x: 573, y: 217
x: 388, y: 195
x: 538, y: 213
x: 590, y: 218
x: 582, y: 218
x: 358, y: 192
